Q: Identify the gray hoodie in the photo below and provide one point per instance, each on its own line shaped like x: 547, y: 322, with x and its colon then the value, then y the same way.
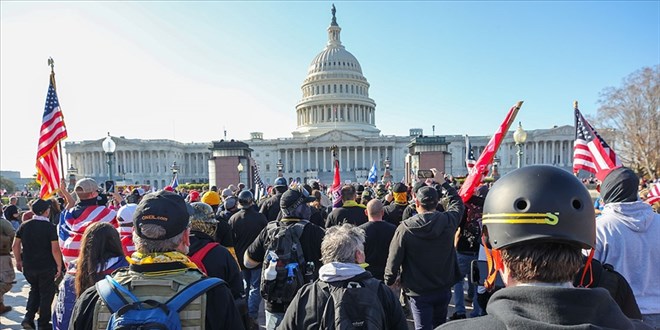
x: 628, y: 238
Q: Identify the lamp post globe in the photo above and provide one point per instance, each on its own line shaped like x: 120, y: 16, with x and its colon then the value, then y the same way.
x: 109, y: 147
x: 240, y: 169
x: 519, y: 137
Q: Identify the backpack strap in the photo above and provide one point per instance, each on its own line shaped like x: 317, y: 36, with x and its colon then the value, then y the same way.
x: 109, y: 294
x: 198, y: 256
x: 191, y: 292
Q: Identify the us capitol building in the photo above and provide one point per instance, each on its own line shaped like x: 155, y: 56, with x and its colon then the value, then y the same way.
x: 335, y: 110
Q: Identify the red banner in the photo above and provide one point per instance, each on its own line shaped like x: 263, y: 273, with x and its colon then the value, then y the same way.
x: 486, y: 158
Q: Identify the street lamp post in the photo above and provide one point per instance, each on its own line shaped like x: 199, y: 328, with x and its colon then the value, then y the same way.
x: 519, y: 137
x: 386, y: 175
x: 280, y: 167
x: 240, y: 169
x: 175, y: 170
x: 109, y: 148
x: 72, y: 177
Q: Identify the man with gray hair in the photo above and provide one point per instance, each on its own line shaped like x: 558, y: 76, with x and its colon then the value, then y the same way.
x: 160, y: 269
x: 345, y: 295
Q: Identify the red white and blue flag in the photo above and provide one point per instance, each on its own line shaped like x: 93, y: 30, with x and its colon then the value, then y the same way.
x: 590, y: 152
x: 654, y: 194
x: 469, y: 155
x: 52, y: 132
x: 72, y: 228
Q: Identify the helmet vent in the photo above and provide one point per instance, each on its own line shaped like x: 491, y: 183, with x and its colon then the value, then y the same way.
x: 521, y: 204
x: 577, y: 204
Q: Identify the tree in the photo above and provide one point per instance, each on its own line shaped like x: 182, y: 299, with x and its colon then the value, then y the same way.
x: 7, y: 184
x: 631, y: 113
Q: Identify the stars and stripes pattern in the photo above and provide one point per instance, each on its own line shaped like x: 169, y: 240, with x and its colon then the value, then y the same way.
x: 469, y: 155
x: 654, y: 194
x: 52, y: 132
x: 72, y: 228
x: 259, y: 185
x: 590, y: 152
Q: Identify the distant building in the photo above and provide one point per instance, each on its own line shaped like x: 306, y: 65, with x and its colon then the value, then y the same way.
x: 335, y: 110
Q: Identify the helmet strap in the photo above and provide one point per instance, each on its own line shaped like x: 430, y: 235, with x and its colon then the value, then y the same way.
x: 587, y: 268
x: 494, y: 260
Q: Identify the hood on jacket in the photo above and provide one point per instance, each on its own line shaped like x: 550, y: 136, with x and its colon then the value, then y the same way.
x: 426, y: 225
x: 620, y: 186
x: 339, y: 271
x: 637, y: 216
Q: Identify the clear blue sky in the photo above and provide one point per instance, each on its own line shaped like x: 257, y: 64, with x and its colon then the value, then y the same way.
x: 185, y: 70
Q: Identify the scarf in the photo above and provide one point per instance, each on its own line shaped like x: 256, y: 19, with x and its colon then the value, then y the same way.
x: 401, y: 198
x: 139, y: 258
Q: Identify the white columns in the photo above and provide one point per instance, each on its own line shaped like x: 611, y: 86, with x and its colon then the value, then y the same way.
x: 308, y: 157
x: 348, y: 158
x: 355, y: 162
x: 286, y: 160
x: 340, y: 162
x: 316, y: 159
x: 364, y: 165
x: 553, y: 152
x: 324, y: 167
x: 293, y: 160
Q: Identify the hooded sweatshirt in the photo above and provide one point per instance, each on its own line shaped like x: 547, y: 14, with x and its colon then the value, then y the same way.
x: 627, y: 238
x: 307, y: 308
x: 549, y: 307
x: 423, y: 246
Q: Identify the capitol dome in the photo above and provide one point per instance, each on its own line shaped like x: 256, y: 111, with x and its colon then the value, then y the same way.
x: 335, y: 93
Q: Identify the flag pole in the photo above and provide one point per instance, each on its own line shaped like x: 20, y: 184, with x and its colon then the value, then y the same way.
x: 51, y: 63
x: 575, y: 125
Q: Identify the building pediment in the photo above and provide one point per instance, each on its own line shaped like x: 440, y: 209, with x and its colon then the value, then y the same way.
x: 335, y: 136
x: 556, y: 132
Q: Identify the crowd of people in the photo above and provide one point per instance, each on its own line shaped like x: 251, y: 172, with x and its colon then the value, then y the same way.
x: 370, y: 258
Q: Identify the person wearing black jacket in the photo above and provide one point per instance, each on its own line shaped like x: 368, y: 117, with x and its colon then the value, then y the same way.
x: 342, y: 252
x: 218, y: 261
x: 246, y: 224
x: 350, y: 211
x: 271, y: 207
x: 161, y: 223
x: 536, y: 221
x: 427, y: 277
x: 394, y: 211
x: 294, y: 209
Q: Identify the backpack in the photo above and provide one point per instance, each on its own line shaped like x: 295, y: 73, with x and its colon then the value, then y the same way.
x: 470, y: 228
x: 352, y: 305
x: 148, y: 314
x: 284, y: 267
x: 198, y: 256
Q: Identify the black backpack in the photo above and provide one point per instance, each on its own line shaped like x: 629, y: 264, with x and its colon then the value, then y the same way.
x: 352, y: 305
x: 284, y: 254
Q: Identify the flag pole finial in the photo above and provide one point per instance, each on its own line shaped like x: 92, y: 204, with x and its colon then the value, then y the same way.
x: 575, y: 104
x: 51, y: 63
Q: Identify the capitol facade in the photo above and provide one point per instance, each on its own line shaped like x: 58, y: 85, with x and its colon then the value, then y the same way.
x: 335, y: 110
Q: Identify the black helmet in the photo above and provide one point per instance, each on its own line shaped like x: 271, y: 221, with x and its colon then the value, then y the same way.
x: 245, y: 197
x: 539, y: 203
x: 280, y: 182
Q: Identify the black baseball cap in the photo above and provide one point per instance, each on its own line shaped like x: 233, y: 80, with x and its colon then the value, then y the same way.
x: 427, y: 196
x: 165, y: 209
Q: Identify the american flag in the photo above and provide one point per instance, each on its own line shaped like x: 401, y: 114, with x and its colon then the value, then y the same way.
x: 469, y: 155
x: 74, y: 222
x: 654, y: 194
x: 590, y: 152
x: 259, y: 185
x: 52, y: 132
